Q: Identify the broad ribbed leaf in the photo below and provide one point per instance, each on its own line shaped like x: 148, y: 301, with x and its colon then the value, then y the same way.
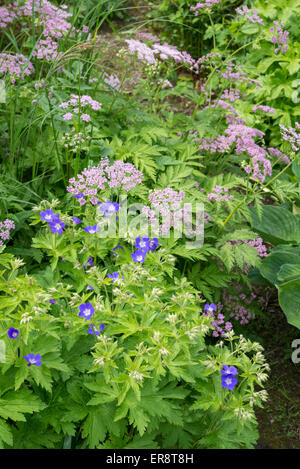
x: 277, y: 225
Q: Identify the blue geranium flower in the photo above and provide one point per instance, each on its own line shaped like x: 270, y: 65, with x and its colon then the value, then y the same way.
x: 210, y: 308
x: 78, y: 196
x: 93, y: 330
x: 86, y: 310
x: 89, y: 262
x: 89, y: 287
x: 92, y: 229
x: 228, y: 379
x: 153, y: 244
x: 33, y: 359
x: 76, y: 220
x: 117, y: 247
x: 138, y: 256
x: 57, y: 226
x: 114, y: 276
x: 53, y: 302
x: 49, y: 216
x: 229, y: 370
x: 107, y: 208
x: 13, y: 333
x: 143, y: 244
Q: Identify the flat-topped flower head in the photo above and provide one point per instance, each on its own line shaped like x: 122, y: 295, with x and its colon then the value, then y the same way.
x: 92, y: 229
x: 57, y: 226
x: 13, y: 333
x: 143, y: 244
x: 138, y: 256
x: 108, y: 208
x: 33, y: 359
x: 93, y: 330
x: 86, y: 310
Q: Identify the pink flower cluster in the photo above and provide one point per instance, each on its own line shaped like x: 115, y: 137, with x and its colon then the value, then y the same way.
x: 149, y: 37
x: 52, y: 20
x: 243, y: 138
x: 266, y: 109
x: 76, y: 104
x: 220, y: 326
x: 112, y: 81
x: 278, y: 154
x: 120, y: 175
x: 233, y: 73
x: 251, y: 15
x: 231, y: 95
x: 232, y: 118
x: 232, y: 303
x: 143, y: 52
x: 75, y: 141
x: 280, y: 37
x: 219, y: 194
x: 167, y: 204
x: 207, y: 4
x: 164, y: 52
x: 5, y: 228
x: 7, y: 15
x: 205, y: 61
x: 16, y: 65
x: 291, y: 135
x: 256, y: 243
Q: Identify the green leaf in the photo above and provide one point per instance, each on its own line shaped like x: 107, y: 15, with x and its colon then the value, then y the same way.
x: 277, y: 225
x: 289, y: 300
x: 94, y: 428
x: 5, y: 433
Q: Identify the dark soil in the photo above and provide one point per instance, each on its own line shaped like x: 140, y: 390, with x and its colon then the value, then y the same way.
x: 279, y: 420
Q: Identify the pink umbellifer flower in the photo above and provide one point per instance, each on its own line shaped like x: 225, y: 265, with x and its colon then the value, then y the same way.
x: 266, y: 109
x: 278, y: 154
x: 68, y: 116
x: 91, y: 181
x: 5, y: 227
x: 77, y: 103
x: 219, y: 194
x: 167, y: 205
x: 85, y: 117
x: 291, y: 135
x: 207, y: 4
x: 143, y: 52
x: 250, y: 15
x: 281, y: 37
x: 16, y: 65
x: 242, y: 137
